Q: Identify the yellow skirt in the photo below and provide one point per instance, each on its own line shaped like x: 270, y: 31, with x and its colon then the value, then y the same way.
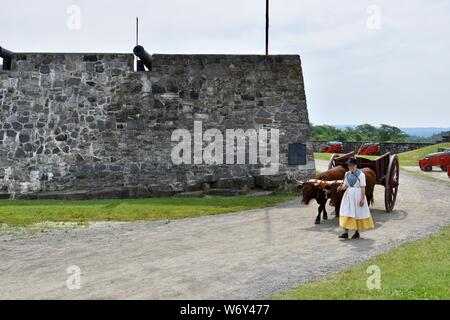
x: 356, y: 224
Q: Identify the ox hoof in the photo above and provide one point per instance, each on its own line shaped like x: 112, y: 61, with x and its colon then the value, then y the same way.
x: 325, y: 218
x: 317, y: 222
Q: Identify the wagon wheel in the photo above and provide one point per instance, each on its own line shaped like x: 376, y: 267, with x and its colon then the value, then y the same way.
x: 391, y: 184
x: 332, y: 164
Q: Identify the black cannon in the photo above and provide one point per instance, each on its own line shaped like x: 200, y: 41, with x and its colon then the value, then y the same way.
x: 144, y: 58
x: 7, y: 57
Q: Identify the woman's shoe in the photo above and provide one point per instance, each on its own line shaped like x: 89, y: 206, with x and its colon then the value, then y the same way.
x: 344, y: 236
x: 356, y: 235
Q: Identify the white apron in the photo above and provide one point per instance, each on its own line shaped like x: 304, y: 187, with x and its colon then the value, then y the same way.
x: 352, y: 216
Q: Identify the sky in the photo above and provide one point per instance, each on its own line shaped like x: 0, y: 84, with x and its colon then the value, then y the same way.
x: 378, y: 61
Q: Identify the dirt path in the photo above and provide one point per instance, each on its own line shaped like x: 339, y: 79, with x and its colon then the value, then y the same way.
x: 252, y: 254
x: 436, y: 173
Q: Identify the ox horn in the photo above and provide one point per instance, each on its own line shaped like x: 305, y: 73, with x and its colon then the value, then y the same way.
x: 299, y: 184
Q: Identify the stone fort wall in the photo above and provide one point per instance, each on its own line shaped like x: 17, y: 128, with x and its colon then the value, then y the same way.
x: 89, y: 123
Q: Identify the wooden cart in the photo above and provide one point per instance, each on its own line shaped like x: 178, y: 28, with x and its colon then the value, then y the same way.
x: 386, y: 167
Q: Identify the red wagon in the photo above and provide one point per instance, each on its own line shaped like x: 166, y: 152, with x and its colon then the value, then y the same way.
x: 436, y: 159
x: 386, y: 168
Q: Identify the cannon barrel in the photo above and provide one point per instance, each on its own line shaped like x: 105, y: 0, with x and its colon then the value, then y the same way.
x: 7, y: 56
x: 5, y: 53
x: 144, y: 56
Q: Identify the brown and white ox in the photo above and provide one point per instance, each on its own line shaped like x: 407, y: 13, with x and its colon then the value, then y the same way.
x: 336, y: 196
x: 311, y: 189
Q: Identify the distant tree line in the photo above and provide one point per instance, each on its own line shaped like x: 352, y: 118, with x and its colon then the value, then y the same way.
x: 363, y: 132
x: 433, y: 139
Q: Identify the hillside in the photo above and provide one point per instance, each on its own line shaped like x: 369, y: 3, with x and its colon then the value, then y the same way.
x: 411, y: 158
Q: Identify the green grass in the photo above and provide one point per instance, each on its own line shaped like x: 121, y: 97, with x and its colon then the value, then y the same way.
x: 411, y: 158
x: 322, y: 156
x: 26, y: 212
x: 327, y: 156
x: 418, y: 270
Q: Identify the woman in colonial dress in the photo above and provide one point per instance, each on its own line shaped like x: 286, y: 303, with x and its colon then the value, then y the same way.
x: 354, y: 210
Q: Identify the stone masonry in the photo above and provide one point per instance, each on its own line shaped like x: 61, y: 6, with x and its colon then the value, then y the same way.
x: 90, y: 126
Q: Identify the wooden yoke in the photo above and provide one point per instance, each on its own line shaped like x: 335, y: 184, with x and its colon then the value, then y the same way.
x: 321, y: 184
x: 326, y: 185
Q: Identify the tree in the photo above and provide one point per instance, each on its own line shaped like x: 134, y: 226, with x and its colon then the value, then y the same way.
x: 391, y: 133
x: 324, y: 132
x: 364, y: 132
x: 367, y: 131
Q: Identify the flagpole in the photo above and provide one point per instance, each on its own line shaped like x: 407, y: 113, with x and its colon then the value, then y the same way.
x: 267, y: 29
x: 137, y: 30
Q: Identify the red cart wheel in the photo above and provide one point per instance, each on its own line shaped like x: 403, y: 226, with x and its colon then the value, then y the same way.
x: 391, y: 184
x: 443, y: 168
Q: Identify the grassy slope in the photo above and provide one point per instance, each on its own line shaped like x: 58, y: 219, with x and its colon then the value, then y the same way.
x: 418, y: 270
x: 411, y: 158
x: 25, y: 212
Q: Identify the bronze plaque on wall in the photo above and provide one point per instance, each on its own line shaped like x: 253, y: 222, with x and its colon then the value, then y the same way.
x: 296, y: 154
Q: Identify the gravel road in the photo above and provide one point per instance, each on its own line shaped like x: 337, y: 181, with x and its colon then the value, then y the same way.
x: 245, y: 255
x: 436, y: 173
